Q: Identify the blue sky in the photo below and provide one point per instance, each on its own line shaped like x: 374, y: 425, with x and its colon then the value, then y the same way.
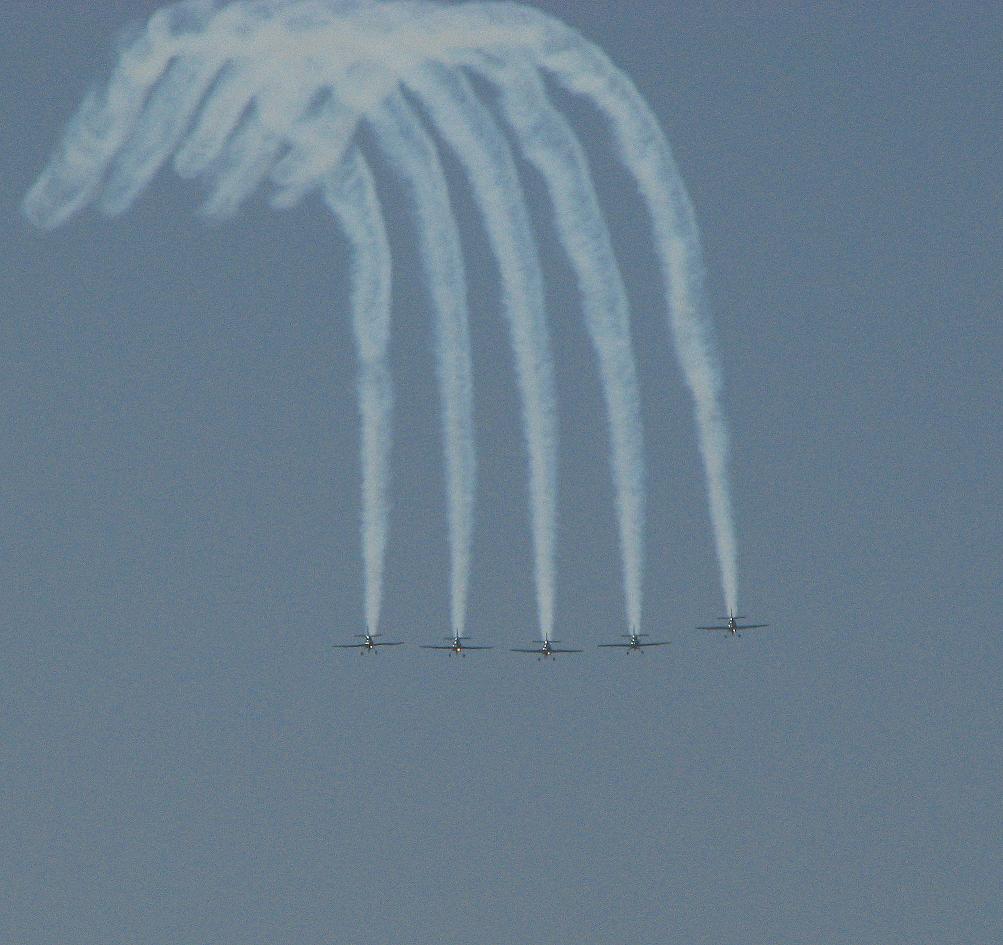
x: 186, y: 760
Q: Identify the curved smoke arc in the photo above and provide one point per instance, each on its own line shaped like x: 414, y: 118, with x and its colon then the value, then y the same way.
x: 274, y: 90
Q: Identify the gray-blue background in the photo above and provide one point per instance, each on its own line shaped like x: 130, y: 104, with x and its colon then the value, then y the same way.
x: 186, y: 761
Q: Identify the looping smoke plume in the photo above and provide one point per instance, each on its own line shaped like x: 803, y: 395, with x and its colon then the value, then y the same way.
x: 275, y: 90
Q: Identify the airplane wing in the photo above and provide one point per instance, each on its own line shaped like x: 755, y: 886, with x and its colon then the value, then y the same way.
x: 555, y: 650
x: 395, y: 643
x: 348, y: 646
x: 469, y: 647
x: 656, y: 643
x: 713, y: 628
x: 426, y: 646
x: 623, y: 645
x: 522, y: 650
x: 752, y: 626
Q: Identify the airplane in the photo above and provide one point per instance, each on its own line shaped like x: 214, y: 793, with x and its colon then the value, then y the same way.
x: 545, y: 650
x: 367, y: 643
x: 634, y: 642
x: 734, y: 626
x: 457, y: 646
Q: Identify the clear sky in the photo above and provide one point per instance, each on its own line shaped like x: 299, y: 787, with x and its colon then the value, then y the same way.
x: 185, y: 759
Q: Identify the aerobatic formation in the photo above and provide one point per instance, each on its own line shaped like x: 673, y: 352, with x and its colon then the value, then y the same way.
x: 274, y: 92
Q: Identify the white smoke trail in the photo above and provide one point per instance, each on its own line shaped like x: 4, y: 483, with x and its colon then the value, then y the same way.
x: 350, y: 192
x: 584, y: 69
x: 549, y: 143
x: 470, y: 131
x: 270, y: 54
x: 400, y: 133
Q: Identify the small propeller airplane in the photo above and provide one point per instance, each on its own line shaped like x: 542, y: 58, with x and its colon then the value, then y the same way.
x: 734, y: 626
x: 545, y: 650
x: 457, y: 646
x: 367, y: 643
x: 634, y: 642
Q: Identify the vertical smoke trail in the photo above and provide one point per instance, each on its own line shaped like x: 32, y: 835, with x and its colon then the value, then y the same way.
x: 400, y: 133
x: 585, y: 70
x: 470, y: 131
x: 351, y: 195
x: 552, y: 147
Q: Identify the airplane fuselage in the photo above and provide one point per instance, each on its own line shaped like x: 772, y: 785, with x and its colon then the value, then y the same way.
x: 733, y: 626
x: 547, y: 651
